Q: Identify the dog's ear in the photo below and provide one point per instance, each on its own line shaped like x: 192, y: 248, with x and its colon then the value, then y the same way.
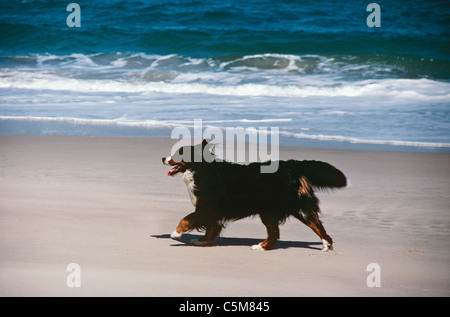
x: 204, y: 143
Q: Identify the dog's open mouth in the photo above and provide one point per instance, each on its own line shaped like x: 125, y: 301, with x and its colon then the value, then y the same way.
x: 178, y: 168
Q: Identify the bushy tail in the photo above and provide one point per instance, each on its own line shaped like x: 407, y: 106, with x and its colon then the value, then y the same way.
x: 319, y: 174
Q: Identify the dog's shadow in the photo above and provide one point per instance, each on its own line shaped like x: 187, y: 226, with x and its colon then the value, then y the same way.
x: 186, y: 238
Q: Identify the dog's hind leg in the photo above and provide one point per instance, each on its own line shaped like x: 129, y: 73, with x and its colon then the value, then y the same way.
x: 316, y: 225
x: 273, y: 234
x: 185, y: 224
x: 212, y: 232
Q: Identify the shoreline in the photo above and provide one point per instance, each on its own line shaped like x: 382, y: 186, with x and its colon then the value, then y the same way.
x: 80, y: 127
x: 106, y: 204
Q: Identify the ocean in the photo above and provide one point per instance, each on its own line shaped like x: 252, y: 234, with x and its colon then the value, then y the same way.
x: 314, y: 70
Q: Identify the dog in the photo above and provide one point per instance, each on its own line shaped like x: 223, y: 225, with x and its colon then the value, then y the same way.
x: 222, y: 191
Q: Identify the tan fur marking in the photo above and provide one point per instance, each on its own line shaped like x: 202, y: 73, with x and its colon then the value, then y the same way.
x: 185, y: 224
x: 273, y: 234
x: 304, y: 188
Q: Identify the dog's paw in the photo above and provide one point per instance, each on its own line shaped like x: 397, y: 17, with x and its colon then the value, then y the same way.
x: 258, y: 247
x: 199, y: 243
x: 175, y: 235
x: 326, y: 246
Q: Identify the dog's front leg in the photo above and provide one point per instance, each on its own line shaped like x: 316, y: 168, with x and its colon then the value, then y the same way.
x: 185, y: 225
x: 273, y: 234
x: 212, y: 232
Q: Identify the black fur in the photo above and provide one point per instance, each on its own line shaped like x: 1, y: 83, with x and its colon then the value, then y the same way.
x: 223, y: 192
x: 227, y: 191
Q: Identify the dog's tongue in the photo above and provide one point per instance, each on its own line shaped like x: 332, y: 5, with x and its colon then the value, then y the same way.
x: 169, y: 173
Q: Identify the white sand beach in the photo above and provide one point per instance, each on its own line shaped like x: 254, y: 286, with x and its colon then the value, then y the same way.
x: 107, y: 205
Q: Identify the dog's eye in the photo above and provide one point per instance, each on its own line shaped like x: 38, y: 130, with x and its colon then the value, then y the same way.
x: 180, y: 151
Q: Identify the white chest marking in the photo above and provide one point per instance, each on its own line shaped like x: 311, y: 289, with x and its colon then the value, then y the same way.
x: 188, y: 178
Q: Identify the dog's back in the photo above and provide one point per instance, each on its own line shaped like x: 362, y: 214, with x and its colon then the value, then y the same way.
x: 236, y: 191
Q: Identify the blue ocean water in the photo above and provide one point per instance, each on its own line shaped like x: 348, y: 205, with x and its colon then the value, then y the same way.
x: 313, y: 69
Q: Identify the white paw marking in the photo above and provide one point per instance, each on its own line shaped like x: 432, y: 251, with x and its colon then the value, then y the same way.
x: 175, y: 235
x: 326, y: 246
x: 257, y: 247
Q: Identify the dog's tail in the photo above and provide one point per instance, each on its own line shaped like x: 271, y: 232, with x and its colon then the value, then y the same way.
x: 319, y: 174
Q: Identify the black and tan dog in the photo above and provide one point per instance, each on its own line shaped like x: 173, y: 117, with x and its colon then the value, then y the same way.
x: 223, y: 191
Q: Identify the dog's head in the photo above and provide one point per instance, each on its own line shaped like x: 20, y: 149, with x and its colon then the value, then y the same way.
x: 185, y: 155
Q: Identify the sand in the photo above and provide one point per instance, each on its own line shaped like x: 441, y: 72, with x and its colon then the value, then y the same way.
x: 107, y: 205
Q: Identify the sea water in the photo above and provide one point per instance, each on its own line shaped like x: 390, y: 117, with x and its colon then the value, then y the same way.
x: 313, y: 69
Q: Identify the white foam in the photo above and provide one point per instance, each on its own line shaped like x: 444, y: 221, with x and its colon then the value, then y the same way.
x: 116, y: 122
x: 169, y: 90
x: 123, y: 121
x: 248, y: 120
x: 410, y: 89
x: 339, y: 138
x: 252, y: 75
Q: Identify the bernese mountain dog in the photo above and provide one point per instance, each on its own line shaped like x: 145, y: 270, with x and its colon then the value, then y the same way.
x: 222, y: 191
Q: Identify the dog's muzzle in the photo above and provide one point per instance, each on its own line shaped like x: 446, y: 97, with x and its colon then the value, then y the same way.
x: 179, y: 167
